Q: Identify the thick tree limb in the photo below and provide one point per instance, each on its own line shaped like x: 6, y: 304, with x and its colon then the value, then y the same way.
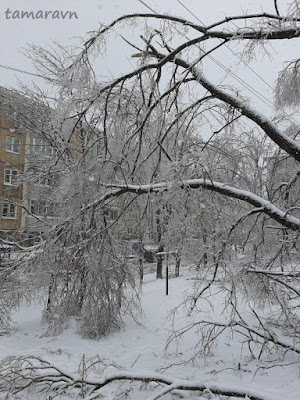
x: 282, y: 140
x: 267, y: 208
x: 271, y: 130
x: 181, y: 384
x: 268, y: 34
x: 18, y: 374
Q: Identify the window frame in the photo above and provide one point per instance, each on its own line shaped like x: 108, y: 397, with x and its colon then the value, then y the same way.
x: 111, y: 214
x: 9, y: 213
x: 13, y: 144
x: 11, y: 174
x: 46, y: 180
x: 44, y: 146
x: 42, y: 208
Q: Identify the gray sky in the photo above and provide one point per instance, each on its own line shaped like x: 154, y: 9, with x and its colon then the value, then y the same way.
x: 17, y: 33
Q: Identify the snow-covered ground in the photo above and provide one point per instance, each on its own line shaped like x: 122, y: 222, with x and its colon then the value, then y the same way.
x: 141, y: 348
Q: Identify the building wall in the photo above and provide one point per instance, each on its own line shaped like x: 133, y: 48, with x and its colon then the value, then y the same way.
x: 33, y: 164
x: 10, y: 160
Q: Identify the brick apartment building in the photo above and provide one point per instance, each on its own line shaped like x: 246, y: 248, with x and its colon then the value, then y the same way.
x: 12, y: 162
x: 25, y: 187
x: 20, y: 149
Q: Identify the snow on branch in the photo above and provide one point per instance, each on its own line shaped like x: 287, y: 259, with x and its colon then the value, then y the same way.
x: 263, y: 332
x: 272, y: 33
x: 266, y: 16
x: 278, y: 273
x: 266, y: 206
x: 274, y: 133
x: 19, y: 374
x: 271, y: 130
x: 272, y: 275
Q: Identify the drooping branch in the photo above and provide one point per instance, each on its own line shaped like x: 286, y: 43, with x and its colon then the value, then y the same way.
x: 271, y: 130
x: 241, y: 327
x: 253, y: 16
x: 267, y: 207
x: 289, y: 274
x: 273, y: 275
x: 267, y: 335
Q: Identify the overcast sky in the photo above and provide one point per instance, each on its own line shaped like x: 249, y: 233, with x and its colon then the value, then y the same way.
x: 16, y: 33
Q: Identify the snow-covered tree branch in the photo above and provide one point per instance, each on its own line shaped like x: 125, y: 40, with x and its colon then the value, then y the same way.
x: 165, y: 156
x: 17, y: 375
x: 265, y: 206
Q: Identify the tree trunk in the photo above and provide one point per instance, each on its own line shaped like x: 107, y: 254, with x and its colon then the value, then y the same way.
x: 205, y: 256
x: 177, y: 264
x: 141, y: 265
x: 160, y: 258
x: 159, y: 264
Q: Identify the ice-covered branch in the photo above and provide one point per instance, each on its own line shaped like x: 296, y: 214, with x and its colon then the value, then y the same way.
x: 262, y: 332
x: 267, y: 207
x: 18, y: 374
x: 272, y: 131
x: 175, y: 56
x: 275, y: 273
x: 272, y: 33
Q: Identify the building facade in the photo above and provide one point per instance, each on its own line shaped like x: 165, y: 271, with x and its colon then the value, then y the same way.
x: 12, y: 162
x: 29, y: 172
x: 22, y: 150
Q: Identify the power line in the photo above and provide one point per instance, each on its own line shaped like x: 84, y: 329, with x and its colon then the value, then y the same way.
x: 226, y: 69
x: 253, y: 90
x: 240, y: 58
x: 265, y: 100
x: 146, y: 5
x: 257, y: 94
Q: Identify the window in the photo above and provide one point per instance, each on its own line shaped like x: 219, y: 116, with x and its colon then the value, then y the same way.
x: 43, y: 208
x: 38, y: 207
x: 12, y: 144
x: 11, y: 177
x: 46, y: 180
x: 111, y: 214
x: 9, y: 211
x: 42, y: 146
